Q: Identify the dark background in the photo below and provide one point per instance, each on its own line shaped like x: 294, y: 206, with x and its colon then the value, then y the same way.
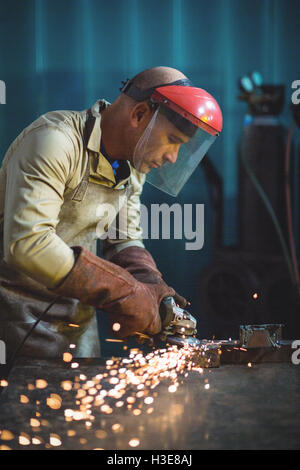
x: 66, y: 54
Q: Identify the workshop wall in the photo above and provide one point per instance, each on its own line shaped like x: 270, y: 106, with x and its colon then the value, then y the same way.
x: 65, y: 54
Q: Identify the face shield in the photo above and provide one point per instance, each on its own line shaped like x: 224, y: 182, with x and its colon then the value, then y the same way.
x: 185, y: 123
x: 170, y: 149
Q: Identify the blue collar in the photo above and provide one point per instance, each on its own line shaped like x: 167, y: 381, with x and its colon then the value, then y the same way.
x: 114, y: 163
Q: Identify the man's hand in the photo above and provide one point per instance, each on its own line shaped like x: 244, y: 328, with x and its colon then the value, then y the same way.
x: 132, y: 304
x: 140, y: 264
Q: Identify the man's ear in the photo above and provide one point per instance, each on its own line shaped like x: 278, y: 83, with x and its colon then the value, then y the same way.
x: 139, y: 114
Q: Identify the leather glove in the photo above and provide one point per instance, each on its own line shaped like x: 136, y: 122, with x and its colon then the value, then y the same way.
x: 132, y: 304
x: 139, y: 262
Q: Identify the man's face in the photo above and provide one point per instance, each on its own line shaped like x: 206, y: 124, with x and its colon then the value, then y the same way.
x: 162, y: 145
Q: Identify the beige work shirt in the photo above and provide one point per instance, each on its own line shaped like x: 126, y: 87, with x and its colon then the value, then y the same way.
x: 44, y: 162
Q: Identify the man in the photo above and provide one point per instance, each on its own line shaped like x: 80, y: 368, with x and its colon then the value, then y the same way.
x: 55, y: 179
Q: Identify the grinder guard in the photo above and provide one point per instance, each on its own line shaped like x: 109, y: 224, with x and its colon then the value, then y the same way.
x: 178, y: 325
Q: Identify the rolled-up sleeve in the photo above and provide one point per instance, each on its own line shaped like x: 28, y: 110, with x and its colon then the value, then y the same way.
x: 133, y: 233
x: 37, y: 172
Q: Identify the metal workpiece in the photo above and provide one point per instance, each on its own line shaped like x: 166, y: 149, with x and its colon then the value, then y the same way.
x: 265, y: 335
x: 256, y: 344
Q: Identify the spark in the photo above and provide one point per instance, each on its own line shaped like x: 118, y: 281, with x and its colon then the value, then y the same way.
x: 40, y: 383
x: 24, y: 439
x: 117, y: 427
x: 116, y: 327
x: 37, y: 440
x: 67, y: 385
x: 54, y: 401
x: 35, y: 423
x: 6, y: 435
x: 148, y: 400
x: 67, y: 357
x: 55, y: 440
x: 131, y: 400
x: 79, y: 415
x: 134, y: 442
x: 112, y: 340
x: 24, y: 399
x: 101, y: 434
x: 68, y: 413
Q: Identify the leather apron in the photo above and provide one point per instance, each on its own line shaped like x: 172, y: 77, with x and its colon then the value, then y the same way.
x: 22, y: 299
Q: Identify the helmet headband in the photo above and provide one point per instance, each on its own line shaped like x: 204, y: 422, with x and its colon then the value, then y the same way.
x: 141, y: 95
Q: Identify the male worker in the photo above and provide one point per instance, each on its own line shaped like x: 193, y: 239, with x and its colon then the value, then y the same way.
x: 55, y: 178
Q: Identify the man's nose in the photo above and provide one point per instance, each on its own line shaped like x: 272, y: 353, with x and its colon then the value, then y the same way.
x: 171, y: 157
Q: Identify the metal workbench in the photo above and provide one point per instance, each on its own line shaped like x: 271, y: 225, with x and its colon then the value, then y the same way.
x: 230, y: 407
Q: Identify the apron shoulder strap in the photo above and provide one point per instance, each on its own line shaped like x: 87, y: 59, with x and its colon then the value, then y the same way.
x: 81, y: 189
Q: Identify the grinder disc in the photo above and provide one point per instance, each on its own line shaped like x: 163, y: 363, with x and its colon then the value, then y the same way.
x: 179, y: 341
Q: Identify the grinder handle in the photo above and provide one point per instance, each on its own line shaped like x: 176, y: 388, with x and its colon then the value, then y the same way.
x: 166, y: 310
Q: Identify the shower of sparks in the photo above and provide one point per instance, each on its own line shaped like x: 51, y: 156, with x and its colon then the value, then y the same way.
x: 129, y: 383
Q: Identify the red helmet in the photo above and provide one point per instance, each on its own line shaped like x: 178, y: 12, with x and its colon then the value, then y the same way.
x: 193, y: 104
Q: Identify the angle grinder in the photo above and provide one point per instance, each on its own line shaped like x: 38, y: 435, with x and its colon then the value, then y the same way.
x: 178, y: 325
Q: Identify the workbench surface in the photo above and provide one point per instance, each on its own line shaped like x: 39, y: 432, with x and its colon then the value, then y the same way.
x: 230, y: 407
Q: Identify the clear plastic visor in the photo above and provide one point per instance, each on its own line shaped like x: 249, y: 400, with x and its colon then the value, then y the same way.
x: 169, y: 153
